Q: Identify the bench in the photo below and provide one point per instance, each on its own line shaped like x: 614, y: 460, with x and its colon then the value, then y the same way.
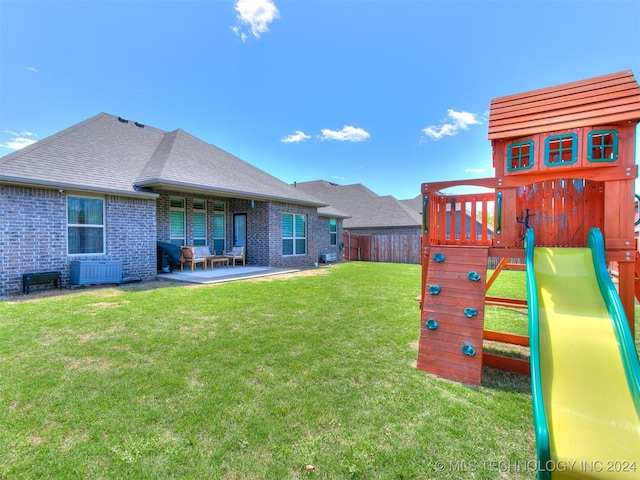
x: 40, y: 278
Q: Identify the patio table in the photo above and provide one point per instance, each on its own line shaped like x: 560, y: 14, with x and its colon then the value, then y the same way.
x: 212, y: 260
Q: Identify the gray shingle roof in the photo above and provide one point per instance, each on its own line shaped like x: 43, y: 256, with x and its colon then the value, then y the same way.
x: 107, y: 154
x: 367, y: 209
x: 414, y: 204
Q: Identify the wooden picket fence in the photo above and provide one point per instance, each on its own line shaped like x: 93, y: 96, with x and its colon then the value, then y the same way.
x: 382, y: 248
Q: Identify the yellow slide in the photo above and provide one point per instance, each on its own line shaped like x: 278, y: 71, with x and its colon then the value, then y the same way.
x: 585, y: 374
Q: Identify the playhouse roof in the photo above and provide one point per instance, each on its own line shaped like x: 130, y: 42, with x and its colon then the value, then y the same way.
x: 605, y: 100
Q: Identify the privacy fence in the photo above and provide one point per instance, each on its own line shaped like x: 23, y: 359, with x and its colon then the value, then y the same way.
x: 393, y: 249
x: 382, y: 248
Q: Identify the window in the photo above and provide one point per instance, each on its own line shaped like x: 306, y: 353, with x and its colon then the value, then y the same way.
x: 199, y: 222
x: 561, y: 149
x: 520, y: 156
x: 85, y: 225
x: 294, y: 234
x: 176, y: 221
x: 218, y: 228
x: 333, y: 231
x: 602, y: 146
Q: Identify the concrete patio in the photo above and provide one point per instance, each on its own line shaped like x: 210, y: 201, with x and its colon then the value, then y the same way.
x: 222, y: 274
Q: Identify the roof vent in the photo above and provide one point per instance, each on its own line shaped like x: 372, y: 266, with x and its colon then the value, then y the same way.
x: 138, y: 125
x: 123, y: 120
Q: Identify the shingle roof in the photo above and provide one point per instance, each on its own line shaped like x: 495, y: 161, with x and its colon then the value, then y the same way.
x: 109, y: 154
x: 601, y: 100
x: 367, y: 209
x: 414, y: 204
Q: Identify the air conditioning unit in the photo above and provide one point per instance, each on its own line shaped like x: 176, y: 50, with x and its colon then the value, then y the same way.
x: 329, y: 257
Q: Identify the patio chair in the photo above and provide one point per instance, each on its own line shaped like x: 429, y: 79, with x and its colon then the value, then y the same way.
x: 236, y: 254
x: 193, y: 256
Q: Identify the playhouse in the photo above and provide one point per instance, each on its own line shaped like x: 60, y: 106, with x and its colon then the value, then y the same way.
x: 564, y: 163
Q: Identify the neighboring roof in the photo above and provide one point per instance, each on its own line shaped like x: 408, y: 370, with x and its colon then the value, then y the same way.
x: 367, y: 210
x: 112, y: 155
x: 332, y: 212
x: 414, y: 204
x: 608, y: 99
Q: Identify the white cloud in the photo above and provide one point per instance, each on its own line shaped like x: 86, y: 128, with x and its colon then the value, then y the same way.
x: 347, y: 134
x: 256, y: 15
x: 455, y: 122
x: 31, y: 69
x: 19, y: 140
x: 296, y: 137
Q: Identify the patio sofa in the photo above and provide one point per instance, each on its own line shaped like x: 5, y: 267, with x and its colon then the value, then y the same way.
x: 193, y: 256
x: 200, y: 254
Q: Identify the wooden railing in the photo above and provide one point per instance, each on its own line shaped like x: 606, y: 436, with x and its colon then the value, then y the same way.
x: 458, y: 219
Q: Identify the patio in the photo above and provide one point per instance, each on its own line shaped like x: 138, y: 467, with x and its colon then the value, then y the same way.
x: 222, y: 274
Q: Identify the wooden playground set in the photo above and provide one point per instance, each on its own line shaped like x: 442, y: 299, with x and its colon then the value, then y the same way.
x: 564, y: 160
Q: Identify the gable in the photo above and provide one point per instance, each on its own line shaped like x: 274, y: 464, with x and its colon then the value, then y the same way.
x: 109, y: 154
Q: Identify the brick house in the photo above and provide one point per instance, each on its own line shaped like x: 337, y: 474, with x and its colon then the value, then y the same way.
x: 109, y: 188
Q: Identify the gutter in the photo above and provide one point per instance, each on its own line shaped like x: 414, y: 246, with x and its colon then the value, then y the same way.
x: 29, y: 182
x: 226, y: 192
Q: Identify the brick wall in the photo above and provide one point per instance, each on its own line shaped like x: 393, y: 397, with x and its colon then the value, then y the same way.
x: 33, y: 235
x: 323, y: 233
x: 131, y: 223
x: 275, y: 234
x: 264, y: 228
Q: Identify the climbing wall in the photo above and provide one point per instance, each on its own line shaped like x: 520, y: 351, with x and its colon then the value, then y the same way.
x: 453, y: 313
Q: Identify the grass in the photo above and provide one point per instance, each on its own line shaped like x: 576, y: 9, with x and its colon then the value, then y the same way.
x: 309, y: 376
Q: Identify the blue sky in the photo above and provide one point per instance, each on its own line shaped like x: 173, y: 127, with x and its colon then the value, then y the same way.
x: 386, y: 93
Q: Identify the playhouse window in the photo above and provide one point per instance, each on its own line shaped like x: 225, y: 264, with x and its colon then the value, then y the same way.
x: 561, y: 149
x: 602, y: 146
x: 520, y: 156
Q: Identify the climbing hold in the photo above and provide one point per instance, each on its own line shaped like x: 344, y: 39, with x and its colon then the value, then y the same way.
x: 468, y: 350
x: 473, y: 276
x: 470, y: 312
x: 431, y: 324
x: 434, y: 289
x: 438, y: 257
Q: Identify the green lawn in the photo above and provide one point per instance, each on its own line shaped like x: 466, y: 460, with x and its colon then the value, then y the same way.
x: 309, y: 376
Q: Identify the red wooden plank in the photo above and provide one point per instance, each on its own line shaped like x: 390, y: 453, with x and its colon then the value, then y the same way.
x: 444, y: 353
x: 506, y: 338
x: 468, y: 376
x: 604, y: 81
x: 608, y: 99
x: 514, y: 365
x: 620, y: 89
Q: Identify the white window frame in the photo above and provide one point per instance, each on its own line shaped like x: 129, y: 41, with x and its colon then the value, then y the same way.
x: 333, y: 231
x: 295, y: 238
x: 219, y: 213
x: 180, y: 241
x: 86, y: 226
x: 197, y: 212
